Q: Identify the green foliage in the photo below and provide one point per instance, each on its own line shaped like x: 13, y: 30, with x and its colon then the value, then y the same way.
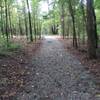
x: 97, y: 4
x: 46, y: 26
x: 12, y: 47
x: 98, y: 20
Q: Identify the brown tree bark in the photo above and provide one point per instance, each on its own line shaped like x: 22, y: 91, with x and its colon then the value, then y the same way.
x: 6, y: 22
x: 63, y: 21
x: 95, y: 28
x: 25, y: 20
x: 83, y: 20
x: 2, y: 28
x: 75, y: 44
x: 30, y: 24
x: 91, y: 32
x: 10, y: 22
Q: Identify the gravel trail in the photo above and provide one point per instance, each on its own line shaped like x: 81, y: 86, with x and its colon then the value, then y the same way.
x: 57, y: 75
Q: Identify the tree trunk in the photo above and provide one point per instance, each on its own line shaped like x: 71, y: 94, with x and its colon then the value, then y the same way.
x: 25, y: 20
x: 30, y: 24
x: 91, y: 30
x: 10, y: 22
x: 84, y: 20
x: 2, y: 28
x: 6, y: 22
x: 73, y: 21
x: 95, y: 28
x: 62, y: 21
x: 20, y: 27
x: 35, y: 31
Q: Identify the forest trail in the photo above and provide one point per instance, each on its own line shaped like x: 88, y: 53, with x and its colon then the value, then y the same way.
x: 57, y: 75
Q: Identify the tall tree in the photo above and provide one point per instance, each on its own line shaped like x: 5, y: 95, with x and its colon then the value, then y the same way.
x: 72, y: 11
x: 83, y: 19
x: 62, y: 20
x: 30, y: 24
x: 25, y: 19
x: 91, y: 30
x: 6, y: 18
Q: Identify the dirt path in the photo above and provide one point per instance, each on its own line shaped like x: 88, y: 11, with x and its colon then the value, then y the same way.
x: 57, y: 75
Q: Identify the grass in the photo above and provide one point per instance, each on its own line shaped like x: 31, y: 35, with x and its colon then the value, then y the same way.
x: 8, y: 50
x: 13, y: 47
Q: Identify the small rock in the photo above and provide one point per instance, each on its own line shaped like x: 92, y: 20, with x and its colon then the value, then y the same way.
x: 28, y: 89
x: 37, y: 74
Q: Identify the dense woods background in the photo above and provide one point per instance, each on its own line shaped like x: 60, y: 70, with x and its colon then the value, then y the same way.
x: 76, y: 19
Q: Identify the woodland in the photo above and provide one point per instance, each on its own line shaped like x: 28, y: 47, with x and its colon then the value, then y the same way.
x: 72, y: 19
x: 22, y: 29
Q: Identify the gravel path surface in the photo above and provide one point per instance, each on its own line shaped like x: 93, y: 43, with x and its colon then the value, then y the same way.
x: 57, y: 75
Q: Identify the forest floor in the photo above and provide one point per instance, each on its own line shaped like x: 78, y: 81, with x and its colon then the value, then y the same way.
x: 46, y: 71
x: 81, y: 54
x: 15, y: 68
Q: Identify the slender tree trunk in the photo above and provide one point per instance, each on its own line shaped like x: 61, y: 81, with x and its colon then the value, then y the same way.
x: 26, y: 28
x: 25, y: 21
x: 30, y: 24
x: 39, y: 26
x: 68, y: 28
x: 73, y: 21
x: 84, y: 20
x: 2, y: 20
x: 10, y: 21
x: 91, y: 30
x: 95, y: 28
x: 6, y: 22
x: 63, y: 21
x: 35, y: 28
x: 20, y: 27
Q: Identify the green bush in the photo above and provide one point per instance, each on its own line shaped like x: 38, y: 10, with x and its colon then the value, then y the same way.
x: 8, y: 48
x: 13, y: 47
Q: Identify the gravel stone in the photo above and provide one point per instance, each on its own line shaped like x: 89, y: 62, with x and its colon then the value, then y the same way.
x: 59, y: 75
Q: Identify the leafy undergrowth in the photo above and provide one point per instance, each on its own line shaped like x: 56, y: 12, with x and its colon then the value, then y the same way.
x: 81, y: 54
x: 8, y: 48
x: 14, y: 69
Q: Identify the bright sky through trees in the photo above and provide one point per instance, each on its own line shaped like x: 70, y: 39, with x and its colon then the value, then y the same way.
x: 44, y: 7
x: 19, y: 2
